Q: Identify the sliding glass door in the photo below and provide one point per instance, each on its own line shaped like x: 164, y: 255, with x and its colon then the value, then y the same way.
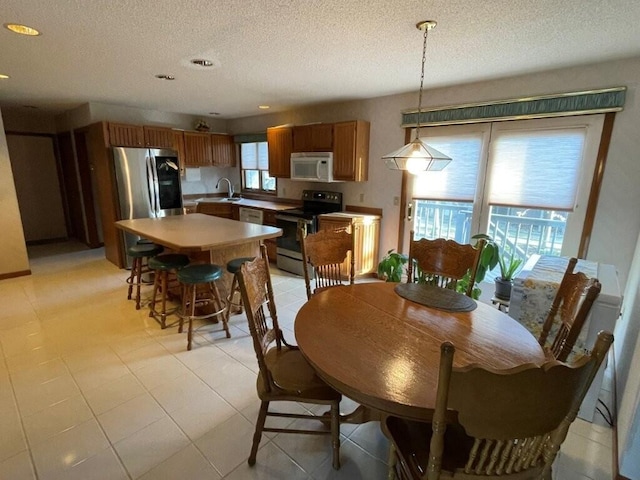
x: 525, y: 183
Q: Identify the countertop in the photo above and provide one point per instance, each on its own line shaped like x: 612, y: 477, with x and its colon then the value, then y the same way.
x: 243, y: 202
x: 356, y: 215
x: 197, y: 232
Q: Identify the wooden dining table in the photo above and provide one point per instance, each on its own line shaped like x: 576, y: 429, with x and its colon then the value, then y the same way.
x: 383, y: 350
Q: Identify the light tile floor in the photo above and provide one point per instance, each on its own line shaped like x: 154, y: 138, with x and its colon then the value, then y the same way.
x: 92, y: 389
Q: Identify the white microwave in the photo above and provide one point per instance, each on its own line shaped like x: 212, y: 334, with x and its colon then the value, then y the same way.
x: 312, y: 166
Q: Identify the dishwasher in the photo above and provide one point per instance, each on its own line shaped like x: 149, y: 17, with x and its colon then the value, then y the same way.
x: 251, y: 215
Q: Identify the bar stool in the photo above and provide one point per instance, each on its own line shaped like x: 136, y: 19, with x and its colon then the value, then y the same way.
x: 138, y: 253
x: 233, y: 267
x: 163, y: 265
x: 190, y: 277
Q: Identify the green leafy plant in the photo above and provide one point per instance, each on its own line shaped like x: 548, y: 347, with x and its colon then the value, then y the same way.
x: 391, y: 267
x: 489, y: 258
x: 508, y: 268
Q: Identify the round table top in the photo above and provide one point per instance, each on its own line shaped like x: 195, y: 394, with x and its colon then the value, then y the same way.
x: 383, y: 351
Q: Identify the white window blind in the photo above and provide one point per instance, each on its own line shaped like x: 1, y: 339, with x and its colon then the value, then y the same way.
x: 536, y: 169
x: 249, y: 156
x: 458, y: 181
x: 263, y: 156
x: 255, y: 156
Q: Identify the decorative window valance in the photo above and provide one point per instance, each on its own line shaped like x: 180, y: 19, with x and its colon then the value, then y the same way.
x: 250, y: 138
x: 558, y: 105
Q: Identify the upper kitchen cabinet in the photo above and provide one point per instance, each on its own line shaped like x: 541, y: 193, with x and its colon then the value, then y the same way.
x: 313, y: 138
x: 197, y: 149
x: 158, y: 137
x: 223, y: 150
x: 280, y: 141
x: 351, y: 151
x: 123, y: 135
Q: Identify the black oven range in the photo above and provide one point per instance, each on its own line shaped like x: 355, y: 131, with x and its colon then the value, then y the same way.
x: 314, y: 203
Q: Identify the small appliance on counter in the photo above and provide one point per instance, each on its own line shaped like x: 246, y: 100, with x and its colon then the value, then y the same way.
x: 314, y: 203
x: 148, y: 183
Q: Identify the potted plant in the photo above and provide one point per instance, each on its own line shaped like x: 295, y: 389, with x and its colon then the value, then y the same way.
x: 391, y: 267
x: 508, y: 268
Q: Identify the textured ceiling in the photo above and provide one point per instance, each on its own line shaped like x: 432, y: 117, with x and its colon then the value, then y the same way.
x: 287, y: 53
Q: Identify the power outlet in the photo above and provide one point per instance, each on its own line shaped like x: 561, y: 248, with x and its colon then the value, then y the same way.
x: 361, y: 197
x: 396, y: 201
x: 284, y: 191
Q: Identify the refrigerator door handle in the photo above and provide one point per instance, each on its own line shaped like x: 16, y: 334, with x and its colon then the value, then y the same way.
x: 156, y: 184
x: 151, y: 186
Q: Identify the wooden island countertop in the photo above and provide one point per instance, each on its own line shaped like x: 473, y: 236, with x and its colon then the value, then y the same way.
x: 197, y: 232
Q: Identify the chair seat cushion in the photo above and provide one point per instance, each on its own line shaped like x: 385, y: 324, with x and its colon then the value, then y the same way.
x: 233, y: 266
x: 204, y: 273
x: 292, y: 373
x: 169, y: 261
x: 412, y: 441
x: 144, y: 250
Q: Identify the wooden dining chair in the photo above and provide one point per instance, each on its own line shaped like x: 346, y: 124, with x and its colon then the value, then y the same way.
x: 284, y: 374
x: 569, y: 311
x: 325, y: 253
x: 443, y: 262
x: 493, y: 425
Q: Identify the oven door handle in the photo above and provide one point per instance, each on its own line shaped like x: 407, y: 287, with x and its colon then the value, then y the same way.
x: 290, y: 218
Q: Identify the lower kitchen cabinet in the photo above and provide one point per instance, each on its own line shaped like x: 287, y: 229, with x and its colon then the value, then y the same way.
x: 224, y: 210
x: 269, y: 218
x: 366, y: 231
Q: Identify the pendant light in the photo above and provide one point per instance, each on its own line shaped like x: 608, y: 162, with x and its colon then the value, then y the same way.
x: 417, y: 156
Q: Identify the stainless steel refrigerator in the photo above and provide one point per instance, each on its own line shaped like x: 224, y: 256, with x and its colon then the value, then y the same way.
x: 148, y: 182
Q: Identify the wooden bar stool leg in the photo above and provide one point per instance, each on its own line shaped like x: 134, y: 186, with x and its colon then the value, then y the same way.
x: 132, y: 277
x: 234, y: 287
x: 139, y: 281
x: 163, y: 285
x: 156, y: 287
x: 192, y: 312
x: 219, y: 305
x: 185, y: 291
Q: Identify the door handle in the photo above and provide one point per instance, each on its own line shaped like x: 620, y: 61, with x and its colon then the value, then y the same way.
x: 151, y: 186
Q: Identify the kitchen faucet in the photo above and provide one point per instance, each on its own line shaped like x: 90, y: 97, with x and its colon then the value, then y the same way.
x: 230, y: 192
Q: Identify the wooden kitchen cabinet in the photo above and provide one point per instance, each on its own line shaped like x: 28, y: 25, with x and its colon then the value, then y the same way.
x: 123, y: 135
x: 313, y: 138
x: 158, y: 137
x: 279, y: 140
x: 197, y: 149
x: 223, y: 150
x: 269, y: 218
x: 366, y: 231
x: 178, y: 146
x: 351, y: 151
x: 224, y: 210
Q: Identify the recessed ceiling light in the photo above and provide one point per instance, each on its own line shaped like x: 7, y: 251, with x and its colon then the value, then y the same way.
x: 202, y: 62
x: 3, y: 76
x: 22, y: 29
x: 264, y: 107
x: 165, y: 77
x: 214, y: 113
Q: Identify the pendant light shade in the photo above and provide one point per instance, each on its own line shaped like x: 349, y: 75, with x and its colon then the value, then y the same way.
x: 417, y: 156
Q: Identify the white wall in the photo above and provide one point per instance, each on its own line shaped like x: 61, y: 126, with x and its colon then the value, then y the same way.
x: 627, y: 359
x: 13, y: 254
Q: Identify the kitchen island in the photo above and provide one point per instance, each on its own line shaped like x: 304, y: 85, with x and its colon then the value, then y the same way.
x: 203, y: 238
